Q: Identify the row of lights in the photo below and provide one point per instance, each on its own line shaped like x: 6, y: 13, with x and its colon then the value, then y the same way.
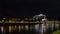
x: 15, y: 20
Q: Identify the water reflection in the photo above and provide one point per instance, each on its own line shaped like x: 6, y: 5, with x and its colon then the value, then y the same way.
x: 52, y: 27
x: 0, y: 29
x: 48, y: 28
x: 57, y: 26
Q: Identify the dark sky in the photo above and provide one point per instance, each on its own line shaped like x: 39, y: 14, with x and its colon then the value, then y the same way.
x: 28, y: 8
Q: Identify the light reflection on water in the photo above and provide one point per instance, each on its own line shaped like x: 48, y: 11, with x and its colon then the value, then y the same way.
x: 37, y: 27
x: 57, y: 26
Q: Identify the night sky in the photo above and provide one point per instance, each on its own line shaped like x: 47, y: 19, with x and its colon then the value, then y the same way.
x: 28, y: 8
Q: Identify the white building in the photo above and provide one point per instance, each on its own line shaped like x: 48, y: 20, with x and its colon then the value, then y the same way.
x: 42, y: 19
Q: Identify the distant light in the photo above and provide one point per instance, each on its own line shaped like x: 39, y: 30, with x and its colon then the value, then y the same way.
x: 36, y: 16
x: 41, y: 15
x: 4, y: 18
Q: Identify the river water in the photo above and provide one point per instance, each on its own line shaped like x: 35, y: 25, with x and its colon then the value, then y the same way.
x: 36, y: 29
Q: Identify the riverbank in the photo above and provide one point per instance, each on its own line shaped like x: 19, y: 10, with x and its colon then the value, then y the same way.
x: 56, y: 32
